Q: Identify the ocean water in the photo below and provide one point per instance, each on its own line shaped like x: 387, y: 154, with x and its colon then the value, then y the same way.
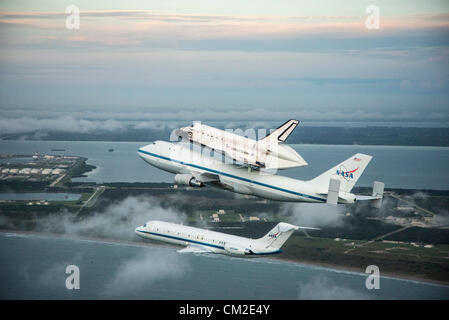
x: 396, y: 166
x: 33, y: 267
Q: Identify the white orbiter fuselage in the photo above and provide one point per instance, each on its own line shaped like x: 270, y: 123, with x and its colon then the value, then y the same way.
x: 268, y: 153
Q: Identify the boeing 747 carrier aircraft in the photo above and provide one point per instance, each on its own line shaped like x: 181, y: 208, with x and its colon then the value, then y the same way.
x: 205, y: 241
x: 197, y: 169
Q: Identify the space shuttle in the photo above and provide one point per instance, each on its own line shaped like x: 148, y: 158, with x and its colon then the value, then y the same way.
x: 267, y: 153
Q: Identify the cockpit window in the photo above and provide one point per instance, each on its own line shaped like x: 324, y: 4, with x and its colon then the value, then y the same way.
x: 144, y: 225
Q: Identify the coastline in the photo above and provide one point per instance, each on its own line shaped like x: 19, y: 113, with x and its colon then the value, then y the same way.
x: 330, y: 266
x: 399, y: 276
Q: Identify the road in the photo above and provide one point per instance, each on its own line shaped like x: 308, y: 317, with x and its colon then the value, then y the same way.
x: 57, y: 180
x: 91, y: 201
x: 379, y: 238
x: 392, y: 194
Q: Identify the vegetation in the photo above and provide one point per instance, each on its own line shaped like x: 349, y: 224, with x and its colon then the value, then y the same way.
x: 405, y: 136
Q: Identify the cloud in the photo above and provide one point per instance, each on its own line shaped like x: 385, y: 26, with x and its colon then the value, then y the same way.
x: 441, y: 218
x: 440, y: 215
x: 323, y: 288
x: 117, y: 221
x: 51, y: 279
x: 88, y: 121
x: 136, y: 14
x: 60, y: 124
x: 238, y: 63
x: 314, y: 215
x: 144, y: 270
x: 154, y: 125
x: 172, y: 118
x: 156, y: 29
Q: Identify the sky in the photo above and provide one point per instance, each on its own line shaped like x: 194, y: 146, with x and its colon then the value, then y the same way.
x: 232, y: 61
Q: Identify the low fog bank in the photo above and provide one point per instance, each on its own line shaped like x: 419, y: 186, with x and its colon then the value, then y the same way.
x: 143, y: 271
x: 117, y: 221
x: 324, y: 288
x: 314, y: 214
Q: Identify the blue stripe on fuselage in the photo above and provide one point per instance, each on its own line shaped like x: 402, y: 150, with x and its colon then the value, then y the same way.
x: 232, y: 176
x: 203, y: 243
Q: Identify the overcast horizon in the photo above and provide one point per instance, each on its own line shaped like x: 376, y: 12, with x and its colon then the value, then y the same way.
x: 160, y: 63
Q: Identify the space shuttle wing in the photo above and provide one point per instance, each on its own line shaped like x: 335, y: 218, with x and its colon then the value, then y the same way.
x: 195, y: 249
x: 283, y: 132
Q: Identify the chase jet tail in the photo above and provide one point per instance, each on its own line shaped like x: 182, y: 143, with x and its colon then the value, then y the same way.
x: 278, y: 235
x: 282, y: 133
x: 347, y: 172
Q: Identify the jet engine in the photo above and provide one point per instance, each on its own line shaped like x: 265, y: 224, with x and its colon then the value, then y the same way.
x: 233, y: 249
x: 188, y: 179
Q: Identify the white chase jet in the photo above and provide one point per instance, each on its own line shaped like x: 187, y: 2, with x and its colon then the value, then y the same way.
x: 269, y: 152
x: 196, y: 169
x: 205, y: 241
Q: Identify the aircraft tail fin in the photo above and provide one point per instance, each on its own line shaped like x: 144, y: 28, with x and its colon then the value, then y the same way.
x: 283, y: 132
x: 278, y: 235
x: 348, y: 172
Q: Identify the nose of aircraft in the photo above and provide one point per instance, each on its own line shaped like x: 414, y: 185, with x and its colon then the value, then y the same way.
x: 147, y: 148
x: 138, y: 230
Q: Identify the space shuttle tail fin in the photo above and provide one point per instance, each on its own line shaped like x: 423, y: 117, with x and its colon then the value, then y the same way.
x: 282, y: 133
